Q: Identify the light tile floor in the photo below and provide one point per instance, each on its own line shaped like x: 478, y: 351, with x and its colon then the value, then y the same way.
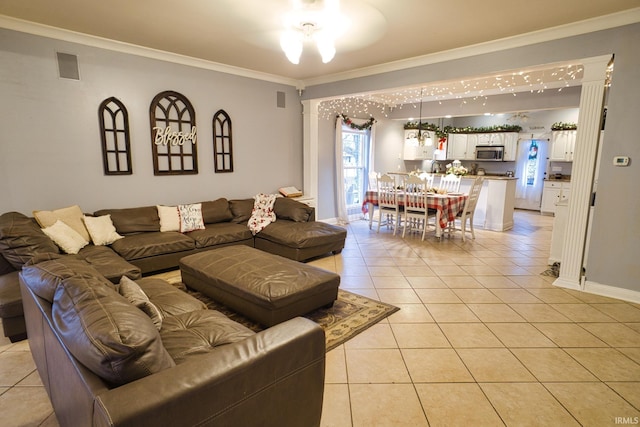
x: 481, y: 339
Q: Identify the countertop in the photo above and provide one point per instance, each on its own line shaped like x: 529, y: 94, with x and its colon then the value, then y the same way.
x: 489, y: 176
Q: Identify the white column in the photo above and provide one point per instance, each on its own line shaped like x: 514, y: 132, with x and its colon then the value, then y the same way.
x: 584, y: 158
x: 310, y: 149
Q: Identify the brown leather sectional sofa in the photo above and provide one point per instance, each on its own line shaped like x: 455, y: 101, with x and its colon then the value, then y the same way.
x: 104, y: 362
x: 145, y: 249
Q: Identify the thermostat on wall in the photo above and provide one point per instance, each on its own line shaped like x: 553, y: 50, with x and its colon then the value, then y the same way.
x: 621, y: 161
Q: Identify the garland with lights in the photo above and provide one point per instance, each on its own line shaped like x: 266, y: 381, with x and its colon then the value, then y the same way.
x: 442, y: 133
x: 564, y: 126
x: 427, y: 126
x: 366, y: 126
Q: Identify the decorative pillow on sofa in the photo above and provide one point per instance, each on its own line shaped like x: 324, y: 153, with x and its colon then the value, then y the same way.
x: 107, y: 334
x: 216, y: 211
x: 169, y: 218
x: 292, y: 210
x: 136, y: 296
x: 72, y: 216
x: 101, y: 230
x: 65, y: 237
x: 190, y: 217
x: 21, y: 239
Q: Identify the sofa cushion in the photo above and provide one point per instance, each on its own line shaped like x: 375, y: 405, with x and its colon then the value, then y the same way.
x: 108, y: 263
x: 302, y: 234
x: 136, y: 296
x: 199, y: 332
x: 107, y: 334
x: 143, y: 245
x: 21, y: 238
x: 216, y: 211
x: 168, y: 298
x: 220, y: 234
x: 44, y: 277
x: 72, y: 216
x: 101, y: 229
x: 133, y: 220
x: 69, y: 240
x: 241, y: 210
x: 292, y: 210
x: 5, y: 266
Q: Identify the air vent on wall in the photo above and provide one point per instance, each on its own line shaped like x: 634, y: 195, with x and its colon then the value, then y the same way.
x: 68, y: 66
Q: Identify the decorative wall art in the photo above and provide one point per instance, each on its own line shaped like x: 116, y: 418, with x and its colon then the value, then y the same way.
x: 222, y: 142
x: 114, y: 133
x: 173, y: 135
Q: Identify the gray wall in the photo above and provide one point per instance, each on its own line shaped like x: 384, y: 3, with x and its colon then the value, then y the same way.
x: 615, y: 240
x: 50, y: 152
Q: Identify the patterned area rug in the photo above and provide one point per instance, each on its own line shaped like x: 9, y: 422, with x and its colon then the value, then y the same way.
x: 350, y: 314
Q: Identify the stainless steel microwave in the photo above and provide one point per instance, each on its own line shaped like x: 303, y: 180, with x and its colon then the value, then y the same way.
x: 491, y: 153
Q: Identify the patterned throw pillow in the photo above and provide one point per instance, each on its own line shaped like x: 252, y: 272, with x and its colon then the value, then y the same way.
x: 190, y: 217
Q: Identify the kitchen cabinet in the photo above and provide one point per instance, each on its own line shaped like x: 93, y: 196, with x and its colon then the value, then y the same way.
x: 413, y: 150
x: 554, y: 192
x: 462, y: 146
x: 562, y: 144
x: 510, y: 142
x: 495, y: 206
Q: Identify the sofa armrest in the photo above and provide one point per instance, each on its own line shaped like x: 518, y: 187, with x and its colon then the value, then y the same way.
x: 275, y: 378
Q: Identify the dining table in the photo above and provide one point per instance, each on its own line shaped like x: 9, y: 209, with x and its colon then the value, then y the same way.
x: 447, y: 206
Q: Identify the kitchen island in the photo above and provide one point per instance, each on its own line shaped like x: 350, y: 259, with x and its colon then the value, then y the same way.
x: 496, y: 203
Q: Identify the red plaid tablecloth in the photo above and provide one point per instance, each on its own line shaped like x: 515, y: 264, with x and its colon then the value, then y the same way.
x: 447, y: 205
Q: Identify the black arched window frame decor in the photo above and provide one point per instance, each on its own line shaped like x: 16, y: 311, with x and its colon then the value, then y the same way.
x: 222, y: 142
x: 173, y: 135
x: 114, y: 135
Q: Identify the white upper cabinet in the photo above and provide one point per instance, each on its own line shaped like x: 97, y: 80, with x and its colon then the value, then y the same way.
x: 562, y: 144
x: 461, y: 146
x: 510, y: 142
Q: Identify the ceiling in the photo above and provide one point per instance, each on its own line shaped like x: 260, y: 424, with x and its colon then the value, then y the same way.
x: 244, y: 34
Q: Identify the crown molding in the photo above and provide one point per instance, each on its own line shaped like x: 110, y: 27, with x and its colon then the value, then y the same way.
x: 604, y: 22
x: 619, y: 19
x: 29, y: 27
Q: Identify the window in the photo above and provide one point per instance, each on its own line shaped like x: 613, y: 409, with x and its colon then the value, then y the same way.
x: 222, y: 142
x: 114, y: 133
x: 173, y: 135
x: 355, y: 155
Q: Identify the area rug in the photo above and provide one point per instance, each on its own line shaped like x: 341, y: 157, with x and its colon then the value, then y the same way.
x: 553, y: 270
x: 350, y: 315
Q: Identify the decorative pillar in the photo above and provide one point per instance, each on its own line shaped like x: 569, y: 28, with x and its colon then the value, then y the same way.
x: 582, y: 174
x: 310, y: 149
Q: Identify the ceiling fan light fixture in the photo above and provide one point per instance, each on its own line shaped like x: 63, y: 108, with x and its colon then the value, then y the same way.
x: 309, y: 22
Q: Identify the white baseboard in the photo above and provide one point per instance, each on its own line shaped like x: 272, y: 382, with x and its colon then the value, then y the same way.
x: 612, y: 292
x: 568, y: 284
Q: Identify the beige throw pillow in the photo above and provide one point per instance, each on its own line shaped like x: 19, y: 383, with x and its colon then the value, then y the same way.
x: 65, y: 237
x: 101, y: 230
x: 169, y: 218
x: 136, y: 296
x: 72, y: 216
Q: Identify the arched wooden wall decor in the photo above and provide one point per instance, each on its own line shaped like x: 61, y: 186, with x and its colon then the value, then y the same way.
x: 222, y: 142
x: 114, y: 133
x: 173, y: 135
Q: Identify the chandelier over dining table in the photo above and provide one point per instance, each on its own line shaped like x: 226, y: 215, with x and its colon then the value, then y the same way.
x: 312, y: 21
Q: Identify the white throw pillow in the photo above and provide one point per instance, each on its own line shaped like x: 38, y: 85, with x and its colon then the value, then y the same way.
x: 169, y: 218
x: 72, y: 216
x: 191, y: 217
x: 65, y: 237
x: 101, y: 230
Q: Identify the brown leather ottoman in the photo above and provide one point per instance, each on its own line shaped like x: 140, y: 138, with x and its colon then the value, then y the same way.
x: 264, y: 287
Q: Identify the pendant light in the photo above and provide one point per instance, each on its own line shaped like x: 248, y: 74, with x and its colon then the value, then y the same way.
x: 422, y: 138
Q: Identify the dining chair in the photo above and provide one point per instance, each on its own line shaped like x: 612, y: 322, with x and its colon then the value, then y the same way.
x: 429, y: 177
x: 450, y: 182
x: 374, y: 214
x: 416, y: 213
x: 388, y: 201
x: 467, y: 212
